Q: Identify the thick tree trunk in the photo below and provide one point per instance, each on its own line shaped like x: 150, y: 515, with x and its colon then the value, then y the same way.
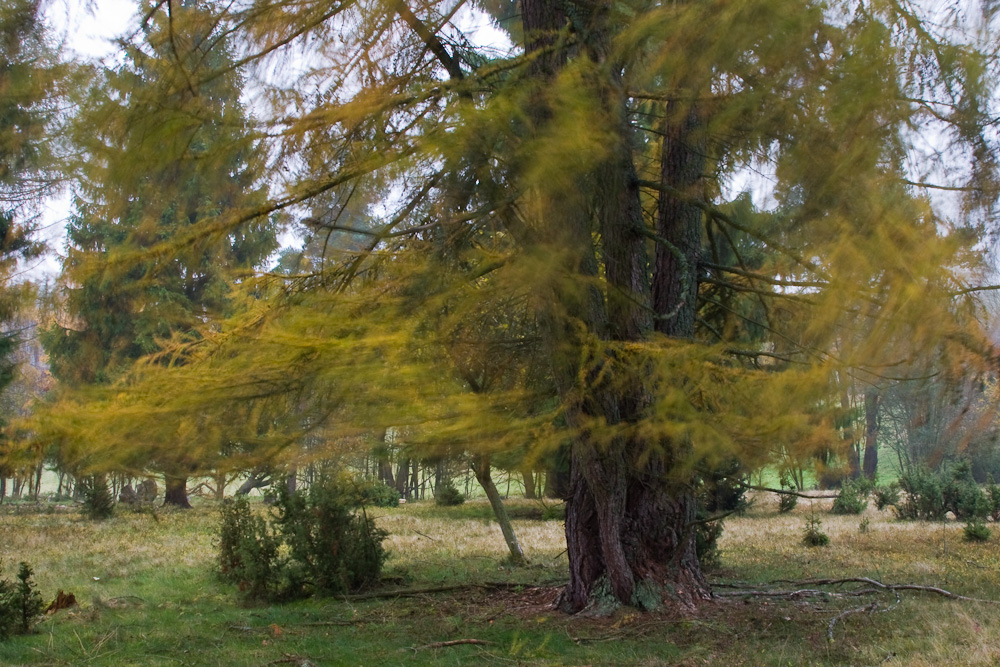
x: 679, y: 222
x: 871, y: 432
x: 481, y: 467
x: 629, y: 530
x: 175, y: 492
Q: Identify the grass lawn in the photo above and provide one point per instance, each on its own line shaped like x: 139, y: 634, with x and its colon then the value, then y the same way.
x: 148, y: 596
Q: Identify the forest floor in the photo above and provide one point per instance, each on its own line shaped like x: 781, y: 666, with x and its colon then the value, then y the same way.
x: 148, y: 595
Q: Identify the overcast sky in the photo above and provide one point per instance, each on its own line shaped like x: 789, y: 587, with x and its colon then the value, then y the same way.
x: 86, y: 29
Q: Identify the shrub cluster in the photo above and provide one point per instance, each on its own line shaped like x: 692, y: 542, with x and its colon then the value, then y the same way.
x: 931, y: 495
x: 852, y: 498
x: 376, y: 493
x: 447, y: 495
x: 787, y: 502
x: 20, y: 604
x: 813, y: 535
x: 886, y: 495
x: 318, y: 542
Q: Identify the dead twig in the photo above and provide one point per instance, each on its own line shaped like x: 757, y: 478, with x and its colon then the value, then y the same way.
x: 889, y: 587
x: 453, y: 642
x: 871, y: 609
x: 844, y: 614
x: 416, y: 592
x: 293, y: 659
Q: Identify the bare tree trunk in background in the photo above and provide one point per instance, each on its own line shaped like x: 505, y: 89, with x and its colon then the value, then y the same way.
x: 221, y: 480
x: 872, y: 400
x: 402, y: 477
x: 481, y: 467
x: 529, y: 483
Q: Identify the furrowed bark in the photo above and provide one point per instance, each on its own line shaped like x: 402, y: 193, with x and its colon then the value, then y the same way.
x: 629, y: 530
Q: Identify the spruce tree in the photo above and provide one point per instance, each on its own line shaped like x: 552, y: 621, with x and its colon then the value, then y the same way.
x: 167, y: 144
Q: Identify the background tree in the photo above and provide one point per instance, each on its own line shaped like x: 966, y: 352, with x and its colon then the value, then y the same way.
x: 164, y: 148
x: 31, y: 86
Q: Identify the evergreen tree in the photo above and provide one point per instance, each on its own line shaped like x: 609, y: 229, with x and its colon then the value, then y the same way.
x: 167, y: 144
x: 29, y: 74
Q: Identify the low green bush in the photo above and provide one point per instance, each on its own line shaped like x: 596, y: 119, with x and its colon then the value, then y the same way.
x: 248, y: 551
x: 707, y: 542
x: 931, y: 495
x: 993, y: 496
x: 317, y: 542
x: 787, y: 502
x: 923, y: 496
x: 20, y: 604
x: 376, y: 493
x: 447, y: 495
x: 886, y: 496
x: 976, y: 531
x: 333, y: 549
x: 851, y: 499
x: 98, y: 503
x: 813, y: 536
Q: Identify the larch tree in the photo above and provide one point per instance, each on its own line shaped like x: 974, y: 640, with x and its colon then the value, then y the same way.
x: 587, y: 178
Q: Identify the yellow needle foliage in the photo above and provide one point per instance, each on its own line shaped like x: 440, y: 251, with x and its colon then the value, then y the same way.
x: 446, y: 302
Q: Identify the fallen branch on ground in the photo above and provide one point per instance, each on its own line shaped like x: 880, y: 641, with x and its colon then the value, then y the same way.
x: 871, y: 609
x: 413, y: 592
x: 453, y: 642
x: 888, y: 587
x: 786, y: 492
x: 872, y: 586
